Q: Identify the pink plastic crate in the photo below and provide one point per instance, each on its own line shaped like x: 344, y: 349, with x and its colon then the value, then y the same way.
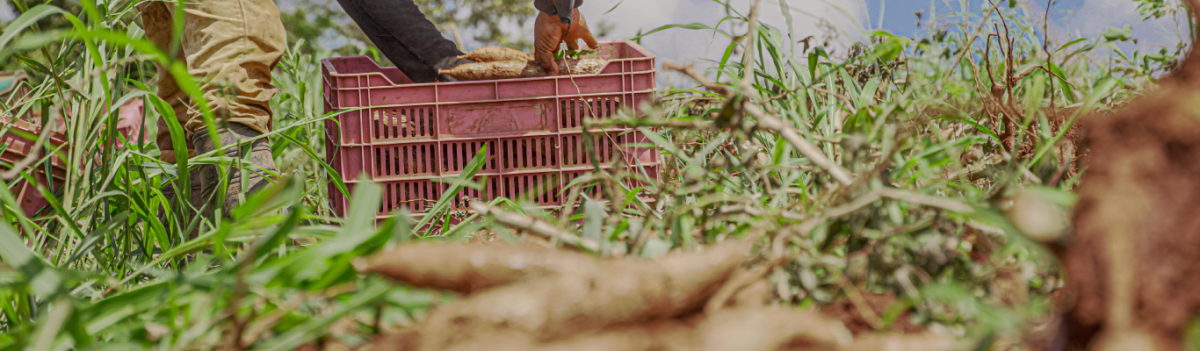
x: 16, y: 147
x: 408, y: 136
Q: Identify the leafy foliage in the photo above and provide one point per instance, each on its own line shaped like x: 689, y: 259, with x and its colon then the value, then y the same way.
x: 489, y: 19
x: 936, y: 134
x: 320, y: 22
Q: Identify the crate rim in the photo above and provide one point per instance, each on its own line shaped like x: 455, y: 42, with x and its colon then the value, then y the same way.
x: 328, y: 64
x: 468, y: 82
x: 448, y: 103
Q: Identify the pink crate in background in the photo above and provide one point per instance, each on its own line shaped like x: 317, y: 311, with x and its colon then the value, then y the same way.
x: 16, y: 147
x: 409, y: 136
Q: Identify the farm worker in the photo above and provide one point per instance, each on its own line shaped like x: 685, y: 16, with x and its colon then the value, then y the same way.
x: 230, y: 47
x: 410, y: 41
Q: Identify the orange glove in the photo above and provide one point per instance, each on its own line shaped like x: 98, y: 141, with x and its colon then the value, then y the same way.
x: 549, y: 32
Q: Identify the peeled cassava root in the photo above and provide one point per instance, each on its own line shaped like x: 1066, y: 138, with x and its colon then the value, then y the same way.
x: 500, y: 63
x: 522, y: 69
x: 494, y: 70
x: 616, y: 291
x: 769, y: 328
x: 471, y: 268
x: 527, y: 298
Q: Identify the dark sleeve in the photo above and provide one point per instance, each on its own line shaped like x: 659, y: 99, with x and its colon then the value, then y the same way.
x: 546, y: 6
x: 562, y: 8
x: 565, y: 9
x: 403, y: 34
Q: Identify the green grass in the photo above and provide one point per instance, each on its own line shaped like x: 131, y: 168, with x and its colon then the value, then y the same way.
x: 911, y: 119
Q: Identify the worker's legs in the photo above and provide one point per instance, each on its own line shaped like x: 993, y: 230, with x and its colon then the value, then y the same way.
x: 230, y: 47
x: 157, y: 22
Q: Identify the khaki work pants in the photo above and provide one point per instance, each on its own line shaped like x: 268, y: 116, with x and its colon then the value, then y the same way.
x: 230, y: 46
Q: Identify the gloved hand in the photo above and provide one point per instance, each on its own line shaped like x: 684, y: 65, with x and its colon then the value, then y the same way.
x: 448, y: 63
x: 549, y: 32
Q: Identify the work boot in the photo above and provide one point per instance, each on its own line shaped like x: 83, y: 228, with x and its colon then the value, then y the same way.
x: 196, y: 202
x: 259, y: 164
x: 449, y: 63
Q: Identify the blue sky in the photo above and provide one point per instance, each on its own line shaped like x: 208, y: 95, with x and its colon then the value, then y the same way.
x: 898, y: 14
x: 1068, y: 14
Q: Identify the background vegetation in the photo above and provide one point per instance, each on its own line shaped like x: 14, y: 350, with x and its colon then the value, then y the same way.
x: 908, y: 168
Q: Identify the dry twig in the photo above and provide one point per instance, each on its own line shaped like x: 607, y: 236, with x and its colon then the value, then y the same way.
x: 774, y: 124
x: 535, y: 226
x: 691, y: 72
x: 805, y: 147
x: 926, y: 200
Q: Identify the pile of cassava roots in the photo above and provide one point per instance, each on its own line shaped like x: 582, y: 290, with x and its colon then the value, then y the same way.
x: 536, y: 298
x: 493, y: 62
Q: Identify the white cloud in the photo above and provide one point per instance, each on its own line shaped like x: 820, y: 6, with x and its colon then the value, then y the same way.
x: 6, y: 12
x: 1095, y: 16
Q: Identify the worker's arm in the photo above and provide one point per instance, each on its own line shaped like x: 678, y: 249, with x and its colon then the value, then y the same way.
x: 405, y: 36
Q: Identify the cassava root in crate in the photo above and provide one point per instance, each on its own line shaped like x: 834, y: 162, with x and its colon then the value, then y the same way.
x: 496, y: 54
x: 522, y: 69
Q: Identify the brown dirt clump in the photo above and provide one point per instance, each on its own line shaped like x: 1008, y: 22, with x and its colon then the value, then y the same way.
x: 1135, y: 255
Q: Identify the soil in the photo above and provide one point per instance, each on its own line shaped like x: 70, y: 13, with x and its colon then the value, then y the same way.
x: 1132, y: 263
x: 845, y: 311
